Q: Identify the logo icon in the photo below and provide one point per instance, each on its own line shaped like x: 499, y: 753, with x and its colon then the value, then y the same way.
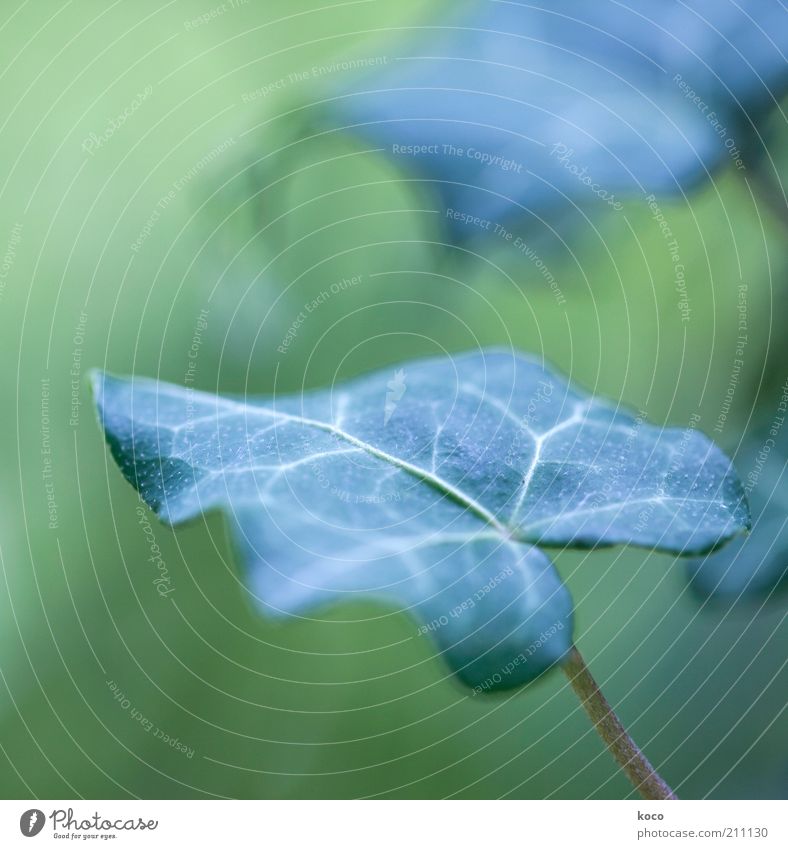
x: 396, y: 389
x: 31, y: 822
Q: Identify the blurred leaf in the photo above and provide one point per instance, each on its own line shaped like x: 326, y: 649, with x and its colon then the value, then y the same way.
x: 756, y: 565
x: 428, y: 486
x: 511, y: 109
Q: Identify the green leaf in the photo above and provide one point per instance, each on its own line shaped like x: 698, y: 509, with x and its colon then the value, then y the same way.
x: 428, y: 485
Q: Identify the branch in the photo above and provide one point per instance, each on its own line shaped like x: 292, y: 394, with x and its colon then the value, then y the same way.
x: 632, y: 761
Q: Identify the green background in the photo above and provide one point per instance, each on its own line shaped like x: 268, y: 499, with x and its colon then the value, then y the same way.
x: 351, y: 703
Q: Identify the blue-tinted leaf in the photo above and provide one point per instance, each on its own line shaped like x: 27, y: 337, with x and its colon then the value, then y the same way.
x: 511, y: 107
x: 428, y: 485
x: 756, y: 565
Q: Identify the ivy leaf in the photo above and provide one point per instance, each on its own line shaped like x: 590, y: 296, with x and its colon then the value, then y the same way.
x: 757, y: 565
x: 430, y: 485
x: 522, y: 109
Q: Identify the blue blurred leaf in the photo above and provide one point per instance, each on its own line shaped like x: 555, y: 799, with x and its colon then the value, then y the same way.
x: 757, y: 565
x: 521, y: 109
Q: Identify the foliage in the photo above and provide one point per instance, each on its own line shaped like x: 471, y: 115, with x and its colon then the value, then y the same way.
x: 509, y: 110
x: 435, y: 489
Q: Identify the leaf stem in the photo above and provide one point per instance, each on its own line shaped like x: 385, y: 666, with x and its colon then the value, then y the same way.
x: 632, y: 761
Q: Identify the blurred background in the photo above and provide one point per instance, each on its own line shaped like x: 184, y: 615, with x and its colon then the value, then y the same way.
x: 179, y: 180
